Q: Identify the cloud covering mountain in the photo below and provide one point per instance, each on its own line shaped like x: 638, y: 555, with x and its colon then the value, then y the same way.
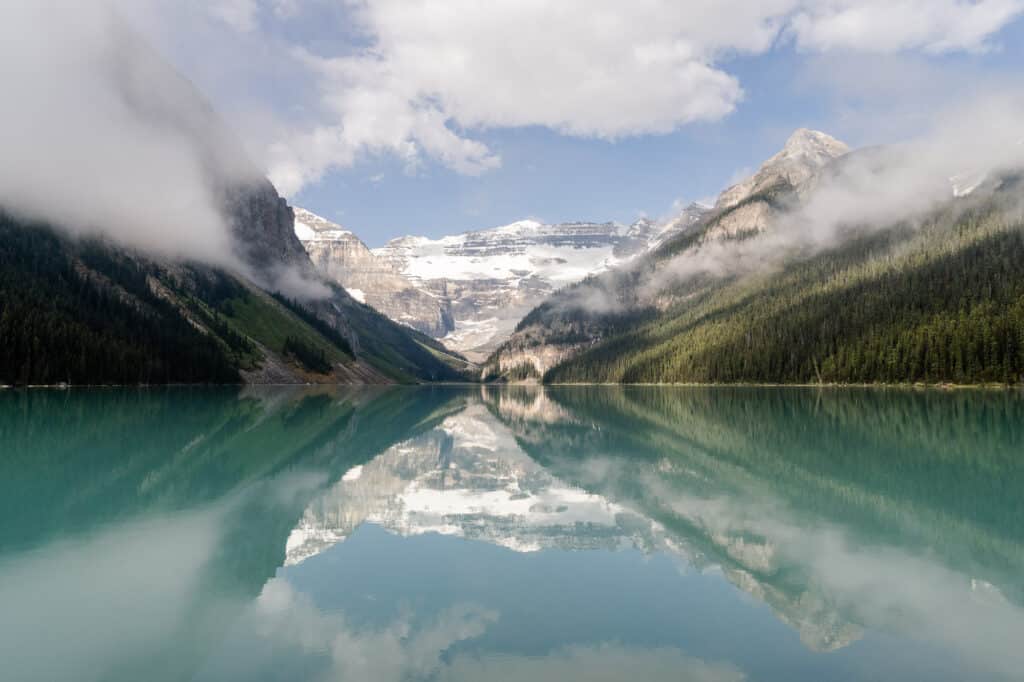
x: 100, y: 134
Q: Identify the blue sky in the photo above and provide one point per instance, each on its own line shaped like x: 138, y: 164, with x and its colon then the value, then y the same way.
x: 560, y: 161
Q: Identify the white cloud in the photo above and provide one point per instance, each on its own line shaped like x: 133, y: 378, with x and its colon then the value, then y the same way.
x: 424, y: 79
x: 240, y: 15
x: 894, y: 25
x: 244, y: 15
x: 435, y: 72
x: 285, y: 622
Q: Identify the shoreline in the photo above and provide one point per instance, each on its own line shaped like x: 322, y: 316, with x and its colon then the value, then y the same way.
x: 901, y: 386
x: 877, y: 386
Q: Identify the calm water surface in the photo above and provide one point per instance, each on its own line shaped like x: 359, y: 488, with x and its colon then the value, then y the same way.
x: 511, y: 534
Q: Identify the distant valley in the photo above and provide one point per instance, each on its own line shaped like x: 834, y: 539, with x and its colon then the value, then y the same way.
x: 470, y: 290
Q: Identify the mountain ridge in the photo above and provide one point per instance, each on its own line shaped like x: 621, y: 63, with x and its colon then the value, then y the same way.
x: 469, y: 290
x: 747, y: 295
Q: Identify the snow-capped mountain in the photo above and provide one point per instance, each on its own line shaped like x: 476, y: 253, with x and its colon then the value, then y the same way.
x: 471, y: 289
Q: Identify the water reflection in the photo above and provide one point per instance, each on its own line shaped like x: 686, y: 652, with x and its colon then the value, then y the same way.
x: 467, y: 477
x: 507, y: 534
x: 844, y: 511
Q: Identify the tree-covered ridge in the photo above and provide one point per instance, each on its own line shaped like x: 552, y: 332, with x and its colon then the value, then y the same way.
x: 83, y: 311
x: 941, y: 303
x: 77, y: 313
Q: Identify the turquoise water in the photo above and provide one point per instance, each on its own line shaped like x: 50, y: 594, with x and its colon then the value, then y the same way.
x: 511, y: 534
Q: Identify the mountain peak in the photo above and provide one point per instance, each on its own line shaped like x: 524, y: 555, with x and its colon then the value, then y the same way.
x: 309, y: 226
x: 805, y: 153
x: 805, y: 141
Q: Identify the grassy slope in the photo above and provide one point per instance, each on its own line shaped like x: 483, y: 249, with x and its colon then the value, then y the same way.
x: 268, y: 322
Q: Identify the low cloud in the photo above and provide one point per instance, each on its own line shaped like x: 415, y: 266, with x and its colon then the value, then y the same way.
x: 873, y: 189
x: 100, y: 136
x: 889, y: 26
x: 298, y: 282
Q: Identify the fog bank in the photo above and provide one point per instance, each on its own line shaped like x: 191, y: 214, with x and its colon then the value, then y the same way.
x: 101, y: 136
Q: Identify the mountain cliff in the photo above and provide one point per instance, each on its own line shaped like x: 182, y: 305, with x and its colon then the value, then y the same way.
x: 342, y: 257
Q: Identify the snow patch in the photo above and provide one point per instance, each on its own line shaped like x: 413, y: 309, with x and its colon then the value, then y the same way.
x: 304, y: 232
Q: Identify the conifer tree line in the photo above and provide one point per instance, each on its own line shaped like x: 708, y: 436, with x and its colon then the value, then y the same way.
x: 61, y: 319
x: 935, y: 304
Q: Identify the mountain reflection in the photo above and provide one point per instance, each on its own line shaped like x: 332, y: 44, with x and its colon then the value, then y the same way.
x: 196, y: 534
x: 467, y: 477
x: 842, y: 510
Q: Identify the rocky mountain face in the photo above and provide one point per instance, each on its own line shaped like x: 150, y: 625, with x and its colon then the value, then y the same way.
x: 264, y: 227
x: 748, y: 207
x: 342, y: 257
x: 804, y: 154
x: 682, y: 223
x: 261, y: 222
x: 470, y: 290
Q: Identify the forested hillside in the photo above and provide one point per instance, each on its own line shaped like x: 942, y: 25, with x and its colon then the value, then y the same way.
x: 86, y: 312
x: 758, y: 291
x: 63, y: 320
x: 943, y: 303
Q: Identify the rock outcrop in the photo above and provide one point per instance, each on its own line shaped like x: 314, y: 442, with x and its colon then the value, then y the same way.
x: 341, y: 256
x: 750, y: 206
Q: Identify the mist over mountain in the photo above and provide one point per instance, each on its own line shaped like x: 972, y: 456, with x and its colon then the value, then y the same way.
x: 107, y: 139
x: 140, y: 230
x: 141, y: 245
x: 881, y: 264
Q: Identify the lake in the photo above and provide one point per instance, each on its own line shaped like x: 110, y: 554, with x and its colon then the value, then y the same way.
x: 517, y: 533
